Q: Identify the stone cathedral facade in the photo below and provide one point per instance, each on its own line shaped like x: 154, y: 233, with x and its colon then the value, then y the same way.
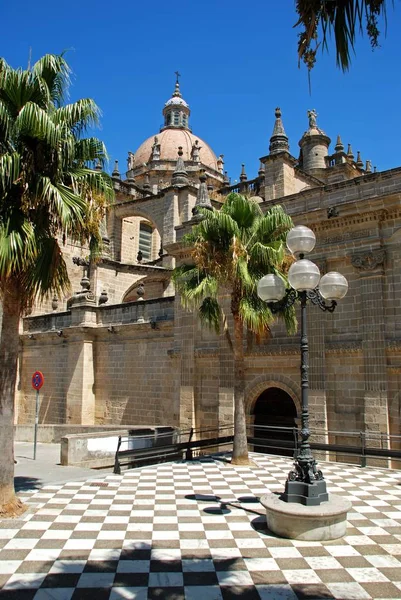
x: 121, y: 350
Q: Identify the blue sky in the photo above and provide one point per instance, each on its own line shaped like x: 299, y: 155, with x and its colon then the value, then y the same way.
x: 238, y: 62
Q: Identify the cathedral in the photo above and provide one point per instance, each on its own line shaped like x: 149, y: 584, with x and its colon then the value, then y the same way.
x: 121, y: 351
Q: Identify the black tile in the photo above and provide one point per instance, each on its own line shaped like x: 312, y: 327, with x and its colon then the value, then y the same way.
x: 200, y: 578
x: 131, y: 579
x: 164, y: 593
x: 166, y: 566
x: 60, y: 580
x: 101, y: 566
x: 245, y: 592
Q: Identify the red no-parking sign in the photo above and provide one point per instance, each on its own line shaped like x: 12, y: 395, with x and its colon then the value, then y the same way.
x: 37, y: 380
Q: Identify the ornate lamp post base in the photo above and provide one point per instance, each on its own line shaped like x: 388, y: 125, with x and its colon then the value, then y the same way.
x: 308, y: 494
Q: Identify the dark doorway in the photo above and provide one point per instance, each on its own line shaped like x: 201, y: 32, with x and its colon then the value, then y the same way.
x: 275, y: 409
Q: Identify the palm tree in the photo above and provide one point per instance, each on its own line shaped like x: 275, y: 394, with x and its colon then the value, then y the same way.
x: 344, y: 19
x: 231, y: 250
x: 47, y: 191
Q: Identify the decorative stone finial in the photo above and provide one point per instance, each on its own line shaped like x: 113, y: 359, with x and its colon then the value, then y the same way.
x: 350, y: 154
x: 279, y: 140
x: 146, y: 183
x: 116, y: 173
x: 140, y: 291
x: 261, y: 171
x: 98, y: 166
x: 359, y: 161
x: 55, y: 303
x: 226, y: 178
x: 243, y: 176
x: 180, y: 175
x: 139, y: 256
x: 368, y: 167
x: 103, y: 298
x: 202, y: 197
x: 339, y: 147
x: 220, y: 163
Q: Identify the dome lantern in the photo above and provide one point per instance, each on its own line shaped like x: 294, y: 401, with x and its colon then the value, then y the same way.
x: 176, y: 111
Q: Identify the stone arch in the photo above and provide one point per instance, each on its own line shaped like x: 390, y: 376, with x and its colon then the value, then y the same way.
x: 154, y: 288
x: 130, y: 235
x: 258, y: 385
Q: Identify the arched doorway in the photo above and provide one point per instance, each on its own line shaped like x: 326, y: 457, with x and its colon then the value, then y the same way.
x: 274, y: 408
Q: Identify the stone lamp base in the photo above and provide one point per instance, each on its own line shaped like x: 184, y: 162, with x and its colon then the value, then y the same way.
x: 327, y: 521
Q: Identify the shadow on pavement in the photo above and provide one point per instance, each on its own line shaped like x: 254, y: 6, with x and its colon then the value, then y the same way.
x: 24, y: 484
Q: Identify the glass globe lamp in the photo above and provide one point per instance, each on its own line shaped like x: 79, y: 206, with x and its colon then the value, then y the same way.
x: 300, y: 240
x: 271, y: 288
x: 304, y: 275
x: 333, y: 286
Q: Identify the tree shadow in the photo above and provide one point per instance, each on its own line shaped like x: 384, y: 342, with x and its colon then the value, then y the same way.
x: 26, y: 484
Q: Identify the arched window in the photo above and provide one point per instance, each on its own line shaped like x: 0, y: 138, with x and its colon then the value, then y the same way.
x: 176, y: 118
x: 168, y: 119
x: 145, y: 240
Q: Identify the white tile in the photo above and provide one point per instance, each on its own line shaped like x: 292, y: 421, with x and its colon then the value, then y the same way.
x: 133, y: 566
x: 165, y: 554
x: 382, y: 560
x: 194, y: 565
x: 223, y: 553
x: 88, y: 526
x: 21, y: 544
x: 129, y: 593
x: 57, y: 593
x: 234, y: 578
x: 261, y: 564
x: 111, y: 535
x: 57, y: 534
x: 9, y: 566
x: 24, y: 580
x: 218, y: 534
x: 366, y: 575
x: 43, y: 554
x: 79, y: 544
x: 285, y: 552
x: 301, y: 576
x: 323, y: 562
x: 250, y: 543
x: 343, y: 550
x: 105, y: 554
x: 165, y: 535
x: 276, y: 591
x: 67, y: 566
x: 33, y: 525
x: 350, y: 591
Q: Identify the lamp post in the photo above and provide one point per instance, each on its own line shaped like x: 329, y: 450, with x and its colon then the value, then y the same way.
x: 305, y: 483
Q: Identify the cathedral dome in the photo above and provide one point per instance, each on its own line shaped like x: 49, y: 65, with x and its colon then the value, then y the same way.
x: 170, y: 139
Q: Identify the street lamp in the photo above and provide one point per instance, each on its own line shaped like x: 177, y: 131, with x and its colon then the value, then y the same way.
x: 305, y: 483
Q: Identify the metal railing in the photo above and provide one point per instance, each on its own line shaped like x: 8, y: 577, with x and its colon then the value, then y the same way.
x: 188, y: 444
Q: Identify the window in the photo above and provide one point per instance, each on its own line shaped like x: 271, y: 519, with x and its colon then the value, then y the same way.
x: 145, y: 240
x: 184, y: 120
x: 176, y: 118
x: 168, y: 119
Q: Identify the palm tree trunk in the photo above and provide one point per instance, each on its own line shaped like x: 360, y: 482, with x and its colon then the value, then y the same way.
x: 9, y: 503
x: 240, y: 447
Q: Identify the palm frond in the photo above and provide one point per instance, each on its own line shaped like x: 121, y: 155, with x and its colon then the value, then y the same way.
x: 79, y: 116
x: 47, y: 274
x: 10, y: 165
x: 54, y: 70
x: 210, y: 313
x: 17, y: 244
x: 35, y: 122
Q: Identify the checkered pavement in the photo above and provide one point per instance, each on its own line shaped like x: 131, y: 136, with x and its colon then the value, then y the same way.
x: 196, y: 531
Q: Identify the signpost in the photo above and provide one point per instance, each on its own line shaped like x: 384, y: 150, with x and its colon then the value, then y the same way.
x: 37, y: 382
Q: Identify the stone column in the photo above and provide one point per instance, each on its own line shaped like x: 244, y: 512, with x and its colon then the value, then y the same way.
x: 80, y: 391
x: 370, y: 267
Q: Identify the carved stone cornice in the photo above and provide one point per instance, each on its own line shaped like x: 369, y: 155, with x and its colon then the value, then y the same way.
x: 369, y: 261
x: 343, y: 347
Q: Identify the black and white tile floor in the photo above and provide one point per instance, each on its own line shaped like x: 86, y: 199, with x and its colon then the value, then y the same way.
x: 196, y: 531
